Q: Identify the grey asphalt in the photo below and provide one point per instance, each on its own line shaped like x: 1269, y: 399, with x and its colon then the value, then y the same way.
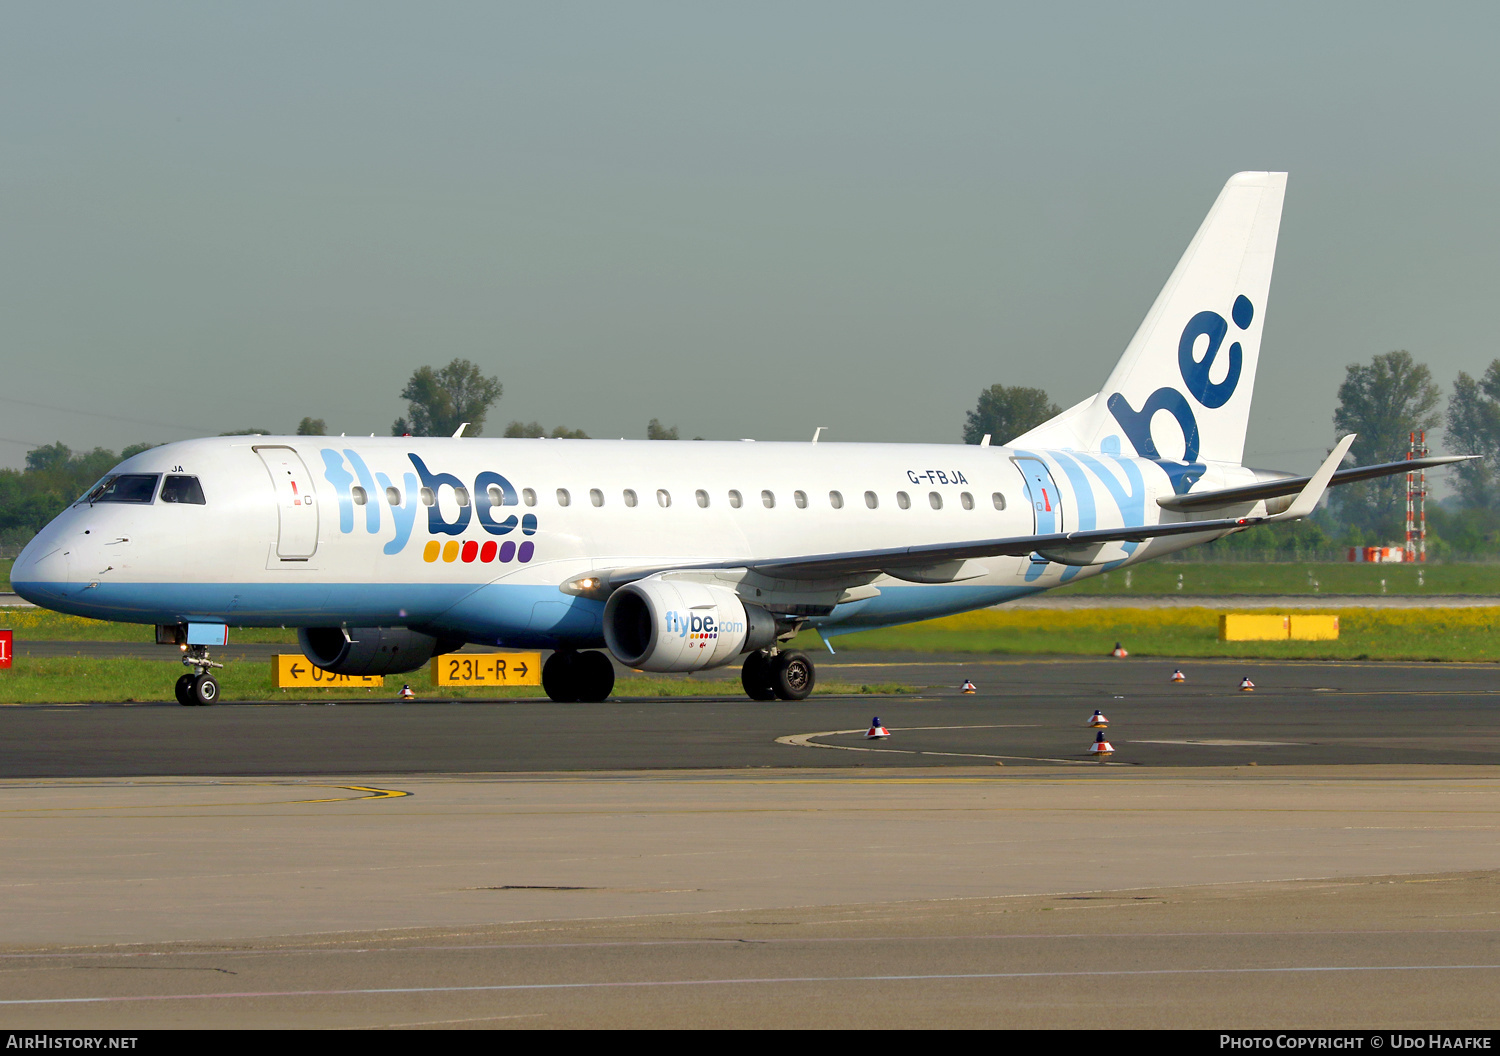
x: 1026, y: 713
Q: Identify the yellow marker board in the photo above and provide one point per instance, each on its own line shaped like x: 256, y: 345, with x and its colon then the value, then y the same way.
x: 1245, y: 627
x: 1311, y: 628
x: 487, y: 669
x: 294, y: 671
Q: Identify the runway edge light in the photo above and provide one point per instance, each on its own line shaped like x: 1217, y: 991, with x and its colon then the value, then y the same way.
x: 969, y: 687
x: 1246, y: 685
x: 406, y: 693
x: 1119, y: 652
x: 876, y: 731
x: 1097, y: 721
x: 1178, y: 676
x: 1101, y: 749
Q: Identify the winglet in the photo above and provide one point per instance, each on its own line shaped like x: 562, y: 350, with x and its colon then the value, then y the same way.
x: 1307, y: 499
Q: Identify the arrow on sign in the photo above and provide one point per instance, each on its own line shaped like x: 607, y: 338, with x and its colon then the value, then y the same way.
x: 296, y: 671
x: 521, y: 669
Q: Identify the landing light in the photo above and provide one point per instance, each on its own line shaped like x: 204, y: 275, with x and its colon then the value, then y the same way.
x: 585, y: 587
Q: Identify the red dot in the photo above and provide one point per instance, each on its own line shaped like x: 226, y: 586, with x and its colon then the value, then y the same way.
x: 471, y: 550
x: 487, y: 552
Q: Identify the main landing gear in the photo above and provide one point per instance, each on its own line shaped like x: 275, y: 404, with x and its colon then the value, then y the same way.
x: 570, y: 677
x: 773, y: 674
x: 198, y: 687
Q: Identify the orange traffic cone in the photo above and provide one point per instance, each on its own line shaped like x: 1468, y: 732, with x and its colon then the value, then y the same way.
x: 1119, y: 652
x: 1097, y: 721
x: 1101, y: 749
x: 968, y: 687
x: 876, y: 731
x: 407, y: 694
x: 1246, y: 685
x: 1178, y: 676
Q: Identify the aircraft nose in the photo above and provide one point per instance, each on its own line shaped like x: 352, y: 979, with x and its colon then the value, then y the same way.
x: 42, y: 572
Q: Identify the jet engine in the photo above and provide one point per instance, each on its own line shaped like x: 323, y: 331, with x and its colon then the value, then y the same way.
x: 371, y: 650
x: 679, y: 625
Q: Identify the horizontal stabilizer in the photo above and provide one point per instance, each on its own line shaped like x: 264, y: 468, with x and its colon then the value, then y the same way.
x: 1272, y: 489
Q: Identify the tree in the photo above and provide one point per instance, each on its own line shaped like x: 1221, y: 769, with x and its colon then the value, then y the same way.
x: 1474, y: 429
x: 1007, y: 411
x: 439, y: 401
x: 247, y: 432
x: 536, y: 429
x: 656, y: 431
x: 1384, y: 403
x: 312, y: 427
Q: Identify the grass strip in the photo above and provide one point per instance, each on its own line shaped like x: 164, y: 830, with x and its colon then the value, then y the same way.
x: 1463, y: 634
x: 1209, y: 579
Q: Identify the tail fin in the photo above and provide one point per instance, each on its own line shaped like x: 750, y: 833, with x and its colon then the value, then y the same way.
x: 1181, y: 392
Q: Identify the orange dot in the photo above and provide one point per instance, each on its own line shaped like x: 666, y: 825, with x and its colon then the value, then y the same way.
x: 450, y: 550
x: 430, y: 551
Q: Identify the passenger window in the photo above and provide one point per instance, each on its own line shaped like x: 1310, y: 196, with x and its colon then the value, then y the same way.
x: 767, y: 500
x: 734, y: 499
x: 563, y: 498
x: 427, y: 497
x: 497, y: 497
x: 903, y: 500
x: 935, y: 499
x: 871, y: 500
x: 187, y: 490
x: 836, y: 500
x: 596, y: 496
x: 527, y: 496
x: 127, y: 487
x: 356, y: 493
x: 393, y: 496
x: 629, y: 497
x: 999, y: 500
x: 462, y: 495
x: 702, y: 498
x: 663, y: 498
x: 967, y: 500
x: 800, y: 498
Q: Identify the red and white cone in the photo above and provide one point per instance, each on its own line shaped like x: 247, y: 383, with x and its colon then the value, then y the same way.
x: 1119, y: 652
x: 969, y: 687
x: 407, y: 694
x: 1178, y: 676
x: 1246, y: 685
x: 1097, y: 721
x: 1101, y: 749
x: 876, y: 731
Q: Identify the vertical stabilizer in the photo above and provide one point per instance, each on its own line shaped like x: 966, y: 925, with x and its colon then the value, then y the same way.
x: 1181, y: 392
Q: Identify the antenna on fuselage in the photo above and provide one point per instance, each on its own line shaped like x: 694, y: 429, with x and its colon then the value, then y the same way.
x: 456, y: 433
x: 986, y: 441
x: 818, y: 432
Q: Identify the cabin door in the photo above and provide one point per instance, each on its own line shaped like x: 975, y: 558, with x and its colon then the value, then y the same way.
x: 296, y: 503
x: 1046, y: 500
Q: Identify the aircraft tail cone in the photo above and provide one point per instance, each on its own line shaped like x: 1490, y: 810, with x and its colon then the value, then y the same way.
x: 876, y: 731
x: 1119, y: 652
x: 1097, y: 721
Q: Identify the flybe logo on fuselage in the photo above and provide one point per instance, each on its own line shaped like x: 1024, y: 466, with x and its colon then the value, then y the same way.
x: 1195, y: 377
x: 356, y: 487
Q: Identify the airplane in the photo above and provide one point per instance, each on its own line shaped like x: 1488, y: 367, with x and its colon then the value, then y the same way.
x: 385, y: 552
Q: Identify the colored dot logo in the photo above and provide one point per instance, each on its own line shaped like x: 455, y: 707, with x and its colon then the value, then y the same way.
x: 470, y: 552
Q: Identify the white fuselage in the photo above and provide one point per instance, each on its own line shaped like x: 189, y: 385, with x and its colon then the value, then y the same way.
x: 325, y: 531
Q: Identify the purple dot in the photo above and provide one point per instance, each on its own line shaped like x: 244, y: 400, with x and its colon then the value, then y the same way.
x: 507, y: 550
x: 526, y: 550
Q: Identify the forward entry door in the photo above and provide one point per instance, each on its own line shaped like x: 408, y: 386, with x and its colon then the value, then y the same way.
x: 296, y: 503
x: 1046, y: 501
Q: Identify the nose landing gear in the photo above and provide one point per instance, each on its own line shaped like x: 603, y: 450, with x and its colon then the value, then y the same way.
x: 199, y: 687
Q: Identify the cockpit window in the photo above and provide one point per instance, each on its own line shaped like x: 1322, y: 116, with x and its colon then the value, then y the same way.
x: 124, y: 487
x: 182, y: 489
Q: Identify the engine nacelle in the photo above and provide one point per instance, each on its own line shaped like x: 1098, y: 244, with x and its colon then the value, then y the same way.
x: 371, y: 650
x: 679, y: 625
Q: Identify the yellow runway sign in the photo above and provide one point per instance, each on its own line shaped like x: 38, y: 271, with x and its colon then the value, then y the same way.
x: 296, y: 672
x: 487, y: 669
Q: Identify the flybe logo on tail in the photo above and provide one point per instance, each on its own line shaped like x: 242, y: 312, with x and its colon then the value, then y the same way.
x: 357, y: 488
x: 1196, y: 380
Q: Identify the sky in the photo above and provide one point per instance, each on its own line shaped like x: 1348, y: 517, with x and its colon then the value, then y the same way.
x: 748, y: 220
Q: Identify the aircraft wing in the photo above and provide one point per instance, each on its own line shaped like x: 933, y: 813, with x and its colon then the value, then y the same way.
x: 1272, y: 489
